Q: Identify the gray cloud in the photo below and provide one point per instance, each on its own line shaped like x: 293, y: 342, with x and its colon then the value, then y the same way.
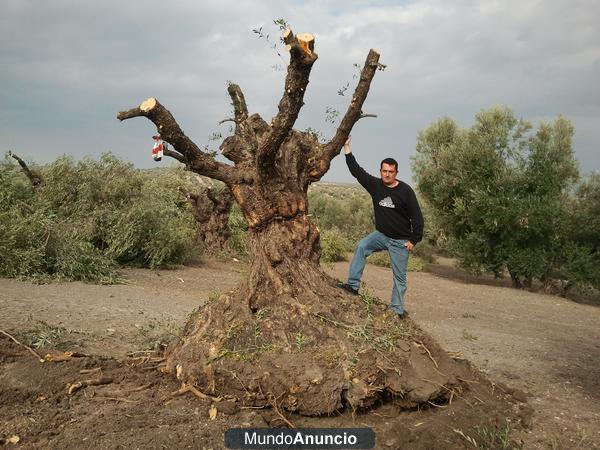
x: 69, y: 66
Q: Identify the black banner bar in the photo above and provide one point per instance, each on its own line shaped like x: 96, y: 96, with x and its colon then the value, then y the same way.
x: 300, y: 438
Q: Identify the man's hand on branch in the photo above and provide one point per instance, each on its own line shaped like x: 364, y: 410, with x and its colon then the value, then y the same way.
x: 347, y: 145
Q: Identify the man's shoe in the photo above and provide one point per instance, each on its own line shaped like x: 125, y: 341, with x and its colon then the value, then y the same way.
x: 347, y: 287
x: 390, y: 312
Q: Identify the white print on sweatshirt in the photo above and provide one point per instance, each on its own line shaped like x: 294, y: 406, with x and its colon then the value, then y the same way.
x: 387, y: 203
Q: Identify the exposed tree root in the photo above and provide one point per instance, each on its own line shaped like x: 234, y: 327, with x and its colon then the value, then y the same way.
x: 64, y: 356
x: 273, y: 402
x: 74, y: 387
x: 116, y: 399
x: 29, y: 349
x: 420, y: 344
x: 185, y: 388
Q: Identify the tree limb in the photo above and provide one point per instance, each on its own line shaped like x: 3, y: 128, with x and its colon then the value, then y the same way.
x: 302, y: 58
x: 234, y: 148
x: 354, y: 113
x: 239, y: 103
x: 218, y: 202
x: 362, y: 116
x: 34, y: 178
x: 173, y: 154
x: 169, y: 130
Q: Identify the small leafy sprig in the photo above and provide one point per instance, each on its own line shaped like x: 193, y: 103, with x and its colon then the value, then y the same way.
x: 331, y: 114
x: 345, y: 87
x: 282, y: 24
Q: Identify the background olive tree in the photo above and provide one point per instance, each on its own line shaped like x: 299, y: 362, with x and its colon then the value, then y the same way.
x: 503, y: 193
x: 581, y: 255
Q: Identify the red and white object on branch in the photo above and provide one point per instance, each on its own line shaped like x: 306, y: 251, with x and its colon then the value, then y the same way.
x: 157, y: 150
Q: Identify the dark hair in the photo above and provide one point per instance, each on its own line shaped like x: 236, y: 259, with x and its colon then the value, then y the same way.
x: 391, y: 162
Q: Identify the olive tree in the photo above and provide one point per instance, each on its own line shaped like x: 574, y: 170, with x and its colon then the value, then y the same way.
x: 499, y: 189
x: 286, y: 334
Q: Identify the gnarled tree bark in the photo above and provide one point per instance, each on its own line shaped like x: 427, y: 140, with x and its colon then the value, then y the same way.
x: 211, y: 209
x: 252, y: 342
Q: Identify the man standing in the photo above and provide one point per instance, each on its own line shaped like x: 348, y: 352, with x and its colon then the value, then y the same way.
x: 398, y: 224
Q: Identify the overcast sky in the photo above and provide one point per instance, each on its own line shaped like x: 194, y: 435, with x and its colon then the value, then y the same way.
x: 68, y: 66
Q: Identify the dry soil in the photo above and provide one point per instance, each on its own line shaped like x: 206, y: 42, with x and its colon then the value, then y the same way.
x: 543, y: 348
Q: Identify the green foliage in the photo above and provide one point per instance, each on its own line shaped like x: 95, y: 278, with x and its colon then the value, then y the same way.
x: 282, y: 25
x: 76, y: 259
x: 581, y: 255
x: 416, y: 264
x: 334, y: 246
x: 343, y: 214
x: 156, y: 228
x: 89, y: 216
x: 343, y: 207
x: 15, y: 186
x: 486, y: 437
x: 331, y: 115
x: 496, y: 438
x: 434, y: 234
x: 238, y: 228
x: 47, y: 336
x: 585, y: 212
x: 301, y: 340
x: 424, y: 251
x: 382, y: 259
x: 499, y: 191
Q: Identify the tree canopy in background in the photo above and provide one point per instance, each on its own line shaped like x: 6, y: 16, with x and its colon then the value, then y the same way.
x: 87, y: 217
x: 503, y: 193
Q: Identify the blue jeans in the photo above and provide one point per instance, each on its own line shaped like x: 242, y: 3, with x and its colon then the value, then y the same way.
x: 376, y: 242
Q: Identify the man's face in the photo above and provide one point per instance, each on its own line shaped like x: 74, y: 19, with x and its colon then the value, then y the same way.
x: 388, y: 174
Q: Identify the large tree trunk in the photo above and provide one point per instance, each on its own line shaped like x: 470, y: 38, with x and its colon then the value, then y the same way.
x: 211, y: 210
x: 285, y: 260
x: 286, y: 335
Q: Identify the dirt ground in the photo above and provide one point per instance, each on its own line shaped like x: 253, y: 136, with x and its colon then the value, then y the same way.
x: 545, y: 347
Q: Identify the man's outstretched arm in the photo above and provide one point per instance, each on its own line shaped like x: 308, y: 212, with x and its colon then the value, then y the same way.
x: 367, y: 181
x: 347, y: 145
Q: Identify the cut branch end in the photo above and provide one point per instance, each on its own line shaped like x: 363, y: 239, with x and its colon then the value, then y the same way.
x: 306, y: 41
x: 148, y: 104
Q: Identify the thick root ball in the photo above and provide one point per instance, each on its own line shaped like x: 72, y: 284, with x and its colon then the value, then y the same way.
x: 312, y: 356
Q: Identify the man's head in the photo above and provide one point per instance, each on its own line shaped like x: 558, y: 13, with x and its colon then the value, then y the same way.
x: 388, y: 170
